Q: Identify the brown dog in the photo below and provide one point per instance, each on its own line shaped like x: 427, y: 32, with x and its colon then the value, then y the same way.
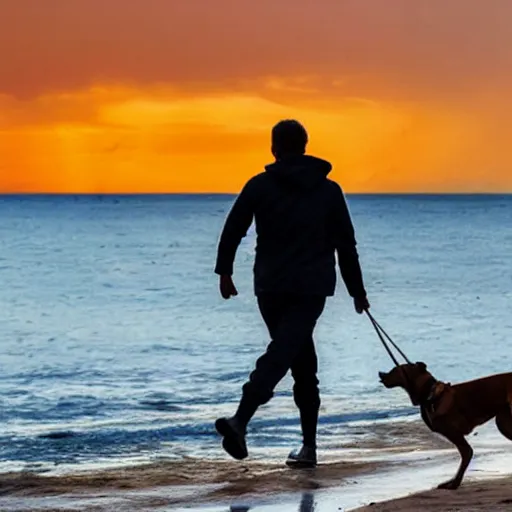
x: 454, y: 411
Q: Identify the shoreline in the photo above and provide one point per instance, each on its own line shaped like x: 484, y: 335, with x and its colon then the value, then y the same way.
x: 400, y: 480
x: 204, y: 482
x: 396, y: 461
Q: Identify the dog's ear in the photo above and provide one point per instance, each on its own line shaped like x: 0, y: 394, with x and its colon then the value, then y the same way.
x: 422, y: 366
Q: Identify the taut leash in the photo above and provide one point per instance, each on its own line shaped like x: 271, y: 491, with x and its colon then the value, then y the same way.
x: 383, y: 335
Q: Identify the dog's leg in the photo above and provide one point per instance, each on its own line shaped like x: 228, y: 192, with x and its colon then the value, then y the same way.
x: 504, y: 423
x: 466, y: 453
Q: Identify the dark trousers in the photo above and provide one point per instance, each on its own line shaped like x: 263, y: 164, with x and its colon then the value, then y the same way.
x: 291, y: 320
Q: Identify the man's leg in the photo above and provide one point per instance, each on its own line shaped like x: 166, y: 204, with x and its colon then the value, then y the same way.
x: 307, y: 398
x: 291, y: 336
x: 291, y: 320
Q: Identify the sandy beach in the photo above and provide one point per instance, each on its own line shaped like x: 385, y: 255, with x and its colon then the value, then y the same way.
x: 474, y: 497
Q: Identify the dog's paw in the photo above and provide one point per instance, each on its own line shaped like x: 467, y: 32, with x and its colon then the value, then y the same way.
x: 451, y: 485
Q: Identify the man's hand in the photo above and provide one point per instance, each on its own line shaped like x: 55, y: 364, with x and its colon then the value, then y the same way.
x: 227, y: 287
x: 361, y: 305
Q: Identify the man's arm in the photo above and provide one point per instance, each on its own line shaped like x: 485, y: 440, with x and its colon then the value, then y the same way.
x: 237, y: 223
x: 345, y: 244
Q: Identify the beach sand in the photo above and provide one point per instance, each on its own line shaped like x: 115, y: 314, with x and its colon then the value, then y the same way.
x: 484, y: 496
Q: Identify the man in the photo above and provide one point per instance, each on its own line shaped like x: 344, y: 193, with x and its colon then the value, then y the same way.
x: 302, y: 220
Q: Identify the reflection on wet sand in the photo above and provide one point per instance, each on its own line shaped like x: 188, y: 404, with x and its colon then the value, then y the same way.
x: 307, y: 504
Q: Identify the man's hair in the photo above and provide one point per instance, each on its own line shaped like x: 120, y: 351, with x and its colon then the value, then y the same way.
x: 289, y: 137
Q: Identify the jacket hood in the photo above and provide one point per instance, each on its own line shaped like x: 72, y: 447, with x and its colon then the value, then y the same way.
x: 302, y: 171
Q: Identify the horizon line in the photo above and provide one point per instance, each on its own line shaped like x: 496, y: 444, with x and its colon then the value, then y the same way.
x: 146, y: 194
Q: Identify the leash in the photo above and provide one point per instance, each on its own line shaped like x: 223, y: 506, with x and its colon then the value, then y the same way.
x: 383, y: 335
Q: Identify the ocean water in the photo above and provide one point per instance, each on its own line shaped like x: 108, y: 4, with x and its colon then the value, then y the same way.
x: 116, y: 347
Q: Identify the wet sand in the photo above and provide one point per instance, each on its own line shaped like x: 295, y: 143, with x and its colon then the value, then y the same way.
x: 223, y: 479
x: 165, y: 486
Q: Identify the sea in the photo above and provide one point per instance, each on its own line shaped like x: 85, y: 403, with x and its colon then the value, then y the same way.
x: 116, y: 347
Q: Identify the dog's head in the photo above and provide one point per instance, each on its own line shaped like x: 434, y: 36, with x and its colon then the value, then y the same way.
x: 412, y: 377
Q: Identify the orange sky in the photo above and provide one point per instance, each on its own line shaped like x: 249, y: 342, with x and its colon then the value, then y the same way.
x: 175, y: 95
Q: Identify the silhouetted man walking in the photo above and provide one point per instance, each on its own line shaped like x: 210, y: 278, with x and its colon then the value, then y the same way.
x: 302, y: 220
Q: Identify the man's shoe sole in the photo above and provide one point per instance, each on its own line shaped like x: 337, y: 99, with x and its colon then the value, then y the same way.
x: 231, y: 442
x: 300, y: 464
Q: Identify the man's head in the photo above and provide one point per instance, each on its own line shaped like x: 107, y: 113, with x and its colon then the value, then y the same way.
x: 289, y: 138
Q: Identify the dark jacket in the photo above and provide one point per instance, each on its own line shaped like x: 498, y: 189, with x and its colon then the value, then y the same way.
x: 302, y: 219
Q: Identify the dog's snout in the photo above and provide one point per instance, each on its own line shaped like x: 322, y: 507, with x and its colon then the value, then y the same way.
x: 381, y: 375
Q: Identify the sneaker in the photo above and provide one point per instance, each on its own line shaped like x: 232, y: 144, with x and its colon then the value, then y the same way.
x: 304, y: 458
x: 234, y: 437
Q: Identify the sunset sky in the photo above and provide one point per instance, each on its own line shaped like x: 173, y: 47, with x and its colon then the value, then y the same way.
x: 180, y: 95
